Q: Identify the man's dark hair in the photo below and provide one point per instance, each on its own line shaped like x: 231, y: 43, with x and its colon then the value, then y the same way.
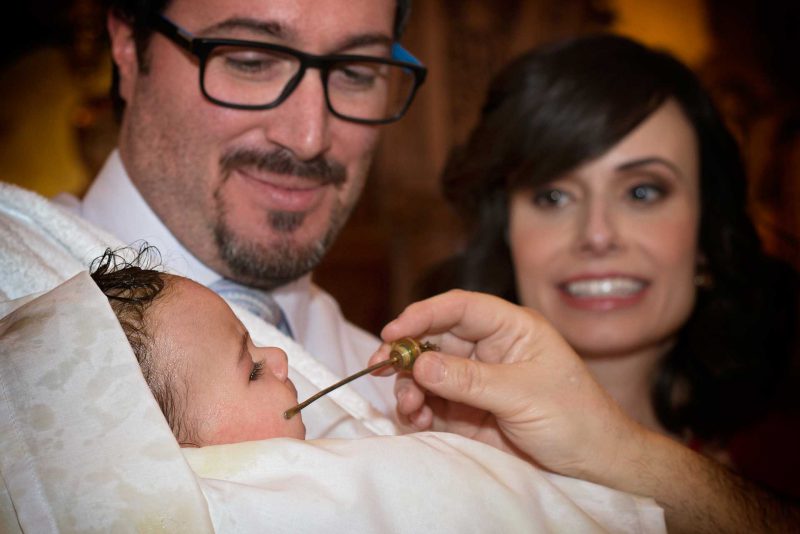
x: 132, y: 286
x: 137, y: 12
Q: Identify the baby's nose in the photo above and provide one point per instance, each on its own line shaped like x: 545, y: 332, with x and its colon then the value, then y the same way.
x: 277, y: 361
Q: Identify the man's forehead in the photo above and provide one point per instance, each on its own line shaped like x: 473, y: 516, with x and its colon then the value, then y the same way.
x: 314, y: 25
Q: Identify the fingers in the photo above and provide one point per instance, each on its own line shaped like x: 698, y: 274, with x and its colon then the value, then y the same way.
x: 480, y: 385
x: 468, y: 315
x: 422, y: 419
x: 470, y: 324
x: 410, y: 397
x: 380, y: 355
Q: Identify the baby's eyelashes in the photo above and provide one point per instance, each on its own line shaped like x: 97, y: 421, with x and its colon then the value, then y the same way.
x: 257, y: 370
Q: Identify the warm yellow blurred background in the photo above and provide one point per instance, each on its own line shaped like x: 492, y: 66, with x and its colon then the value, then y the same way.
x: 56, y: 124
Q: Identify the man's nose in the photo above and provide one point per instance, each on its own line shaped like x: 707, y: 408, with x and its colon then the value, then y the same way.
x: 301, y: 124
x: 598, y: 229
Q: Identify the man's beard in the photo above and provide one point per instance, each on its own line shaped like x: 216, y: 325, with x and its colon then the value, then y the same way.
x: 282, y: 261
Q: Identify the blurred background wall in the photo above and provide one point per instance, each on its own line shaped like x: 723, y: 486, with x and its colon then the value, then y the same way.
x: 56, y: 126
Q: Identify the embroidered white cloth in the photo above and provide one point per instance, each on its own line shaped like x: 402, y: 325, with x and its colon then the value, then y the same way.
x: 427, y: 482
x: 83, y: 449
x: 86, y: 449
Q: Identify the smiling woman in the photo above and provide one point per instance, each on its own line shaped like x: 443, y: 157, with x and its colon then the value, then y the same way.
x: 608, y: 250
x: 601, y: 188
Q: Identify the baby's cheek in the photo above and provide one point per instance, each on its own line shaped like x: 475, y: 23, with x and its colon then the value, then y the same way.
x: 227, y: 425
x: 299, y: 430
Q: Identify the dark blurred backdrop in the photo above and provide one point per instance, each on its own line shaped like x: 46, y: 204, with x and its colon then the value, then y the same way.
x: 54, y: 96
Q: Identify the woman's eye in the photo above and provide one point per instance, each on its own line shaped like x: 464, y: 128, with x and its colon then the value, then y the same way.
x: 258, y: 369
x: 646, y: 193
x: 550, y: 198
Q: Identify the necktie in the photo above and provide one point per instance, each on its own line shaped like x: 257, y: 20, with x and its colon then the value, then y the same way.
x: 255, y: 301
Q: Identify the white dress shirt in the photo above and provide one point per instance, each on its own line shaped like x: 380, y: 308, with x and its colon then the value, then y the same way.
x: 114, y: 204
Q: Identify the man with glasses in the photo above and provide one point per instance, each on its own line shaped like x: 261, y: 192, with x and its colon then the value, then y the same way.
x: 247, y: 131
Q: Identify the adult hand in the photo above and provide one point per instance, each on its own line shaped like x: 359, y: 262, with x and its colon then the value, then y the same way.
x: 503, y: 373
x: 504, y: 376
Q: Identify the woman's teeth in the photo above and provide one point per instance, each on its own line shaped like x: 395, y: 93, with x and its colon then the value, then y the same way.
x: 604, y: 287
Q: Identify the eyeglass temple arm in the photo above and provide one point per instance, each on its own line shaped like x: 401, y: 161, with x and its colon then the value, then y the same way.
x: 401, y: 54
x: 172, y: 31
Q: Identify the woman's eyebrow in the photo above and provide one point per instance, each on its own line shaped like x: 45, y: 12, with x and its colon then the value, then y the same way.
x: 650, y: 161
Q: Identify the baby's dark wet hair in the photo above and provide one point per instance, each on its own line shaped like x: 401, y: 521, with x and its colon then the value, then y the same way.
x: 132, y: 280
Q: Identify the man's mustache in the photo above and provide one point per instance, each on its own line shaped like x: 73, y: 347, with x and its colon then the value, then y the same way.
x: 282, y: 161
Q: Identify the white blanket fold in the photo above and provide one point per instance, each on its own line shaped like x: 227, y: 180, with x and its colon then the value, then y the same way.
x: 426, y: 482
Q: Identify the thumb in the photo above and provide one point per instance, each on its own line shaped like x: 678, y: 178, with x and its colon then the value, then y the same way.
x: 461, y: 380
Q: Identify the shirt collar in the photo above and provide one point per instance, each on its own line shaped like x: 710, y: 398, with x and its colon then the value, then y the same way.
x: 114, y: 204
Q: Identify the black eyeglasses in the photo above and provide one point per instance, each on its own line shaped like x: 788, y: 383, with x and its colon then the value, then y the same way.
x: 254, y: 75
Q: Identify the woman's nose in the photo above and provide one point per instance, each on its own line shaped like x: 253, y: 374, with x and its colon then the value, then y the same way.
x: 277, y: 361
x: 599, y: 229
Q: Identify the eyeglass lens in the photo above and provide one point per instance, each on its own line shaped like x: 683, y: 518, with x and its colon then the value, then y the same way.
x: 249, y: 76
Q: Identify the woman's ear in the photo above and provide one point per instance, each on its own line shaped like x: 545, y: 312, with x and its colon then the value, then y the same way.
x: 703, y: 279
x: 123, y: 52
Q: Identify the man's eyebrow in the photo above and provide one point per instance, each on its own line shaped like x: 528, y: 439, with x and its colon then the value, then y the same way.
x: 267, y: 28
x: 277, y: 30
x: 366, y: 39
x: 650, y: 161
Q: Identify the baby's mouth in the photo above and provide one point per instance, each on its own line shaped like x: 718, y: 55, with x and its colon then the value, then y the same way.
x: 291, y: 386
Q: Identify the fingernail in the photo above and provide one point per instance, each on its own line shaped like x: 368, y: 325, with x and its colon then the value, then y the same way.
x: 401, y: 393
x: 414, y: 419
x: 431, y: 368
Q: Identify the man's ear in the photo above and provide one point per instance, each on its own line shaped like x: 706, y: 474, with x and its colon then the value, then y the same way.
x: 123, y: 51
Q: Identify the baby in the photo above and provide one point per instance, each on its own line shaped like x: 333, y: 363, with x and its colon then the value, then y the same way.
x: 212, y: 383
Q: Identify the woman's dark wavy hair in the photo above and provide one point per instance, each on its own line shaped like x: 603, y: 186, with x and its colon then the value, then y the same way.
x: 137, y: 13
x: 563, y: 105
x: 132, y: 286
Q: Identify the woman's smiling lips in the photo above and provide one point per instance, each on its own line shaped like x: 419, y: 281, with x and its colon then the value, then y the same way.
x: 603, y: 292
x: 284, y: 192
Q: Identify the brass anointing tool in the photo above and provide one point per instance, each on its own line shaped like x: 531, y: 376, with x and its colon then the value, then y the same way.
x: 402, y: 356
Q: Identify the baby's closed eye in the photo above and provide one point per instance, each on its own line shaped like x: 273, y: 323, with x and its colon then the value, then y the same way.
x: 257, y: 370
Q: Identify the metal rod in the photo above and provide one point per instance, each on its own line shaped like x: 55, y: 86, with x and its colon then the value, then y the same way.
x: 291, y: 412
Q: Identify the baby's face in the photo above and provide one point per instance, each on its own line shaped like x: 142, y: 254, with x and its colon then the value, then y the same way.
x: 232, y: 390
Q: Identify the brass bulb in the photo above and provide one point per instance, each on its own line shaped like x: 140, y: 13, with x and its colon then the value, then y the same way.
x: 402, y: 355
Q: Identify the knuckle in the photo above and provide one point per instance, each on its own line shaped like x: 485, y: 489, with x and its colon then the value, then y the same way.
x: 470, y: 378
